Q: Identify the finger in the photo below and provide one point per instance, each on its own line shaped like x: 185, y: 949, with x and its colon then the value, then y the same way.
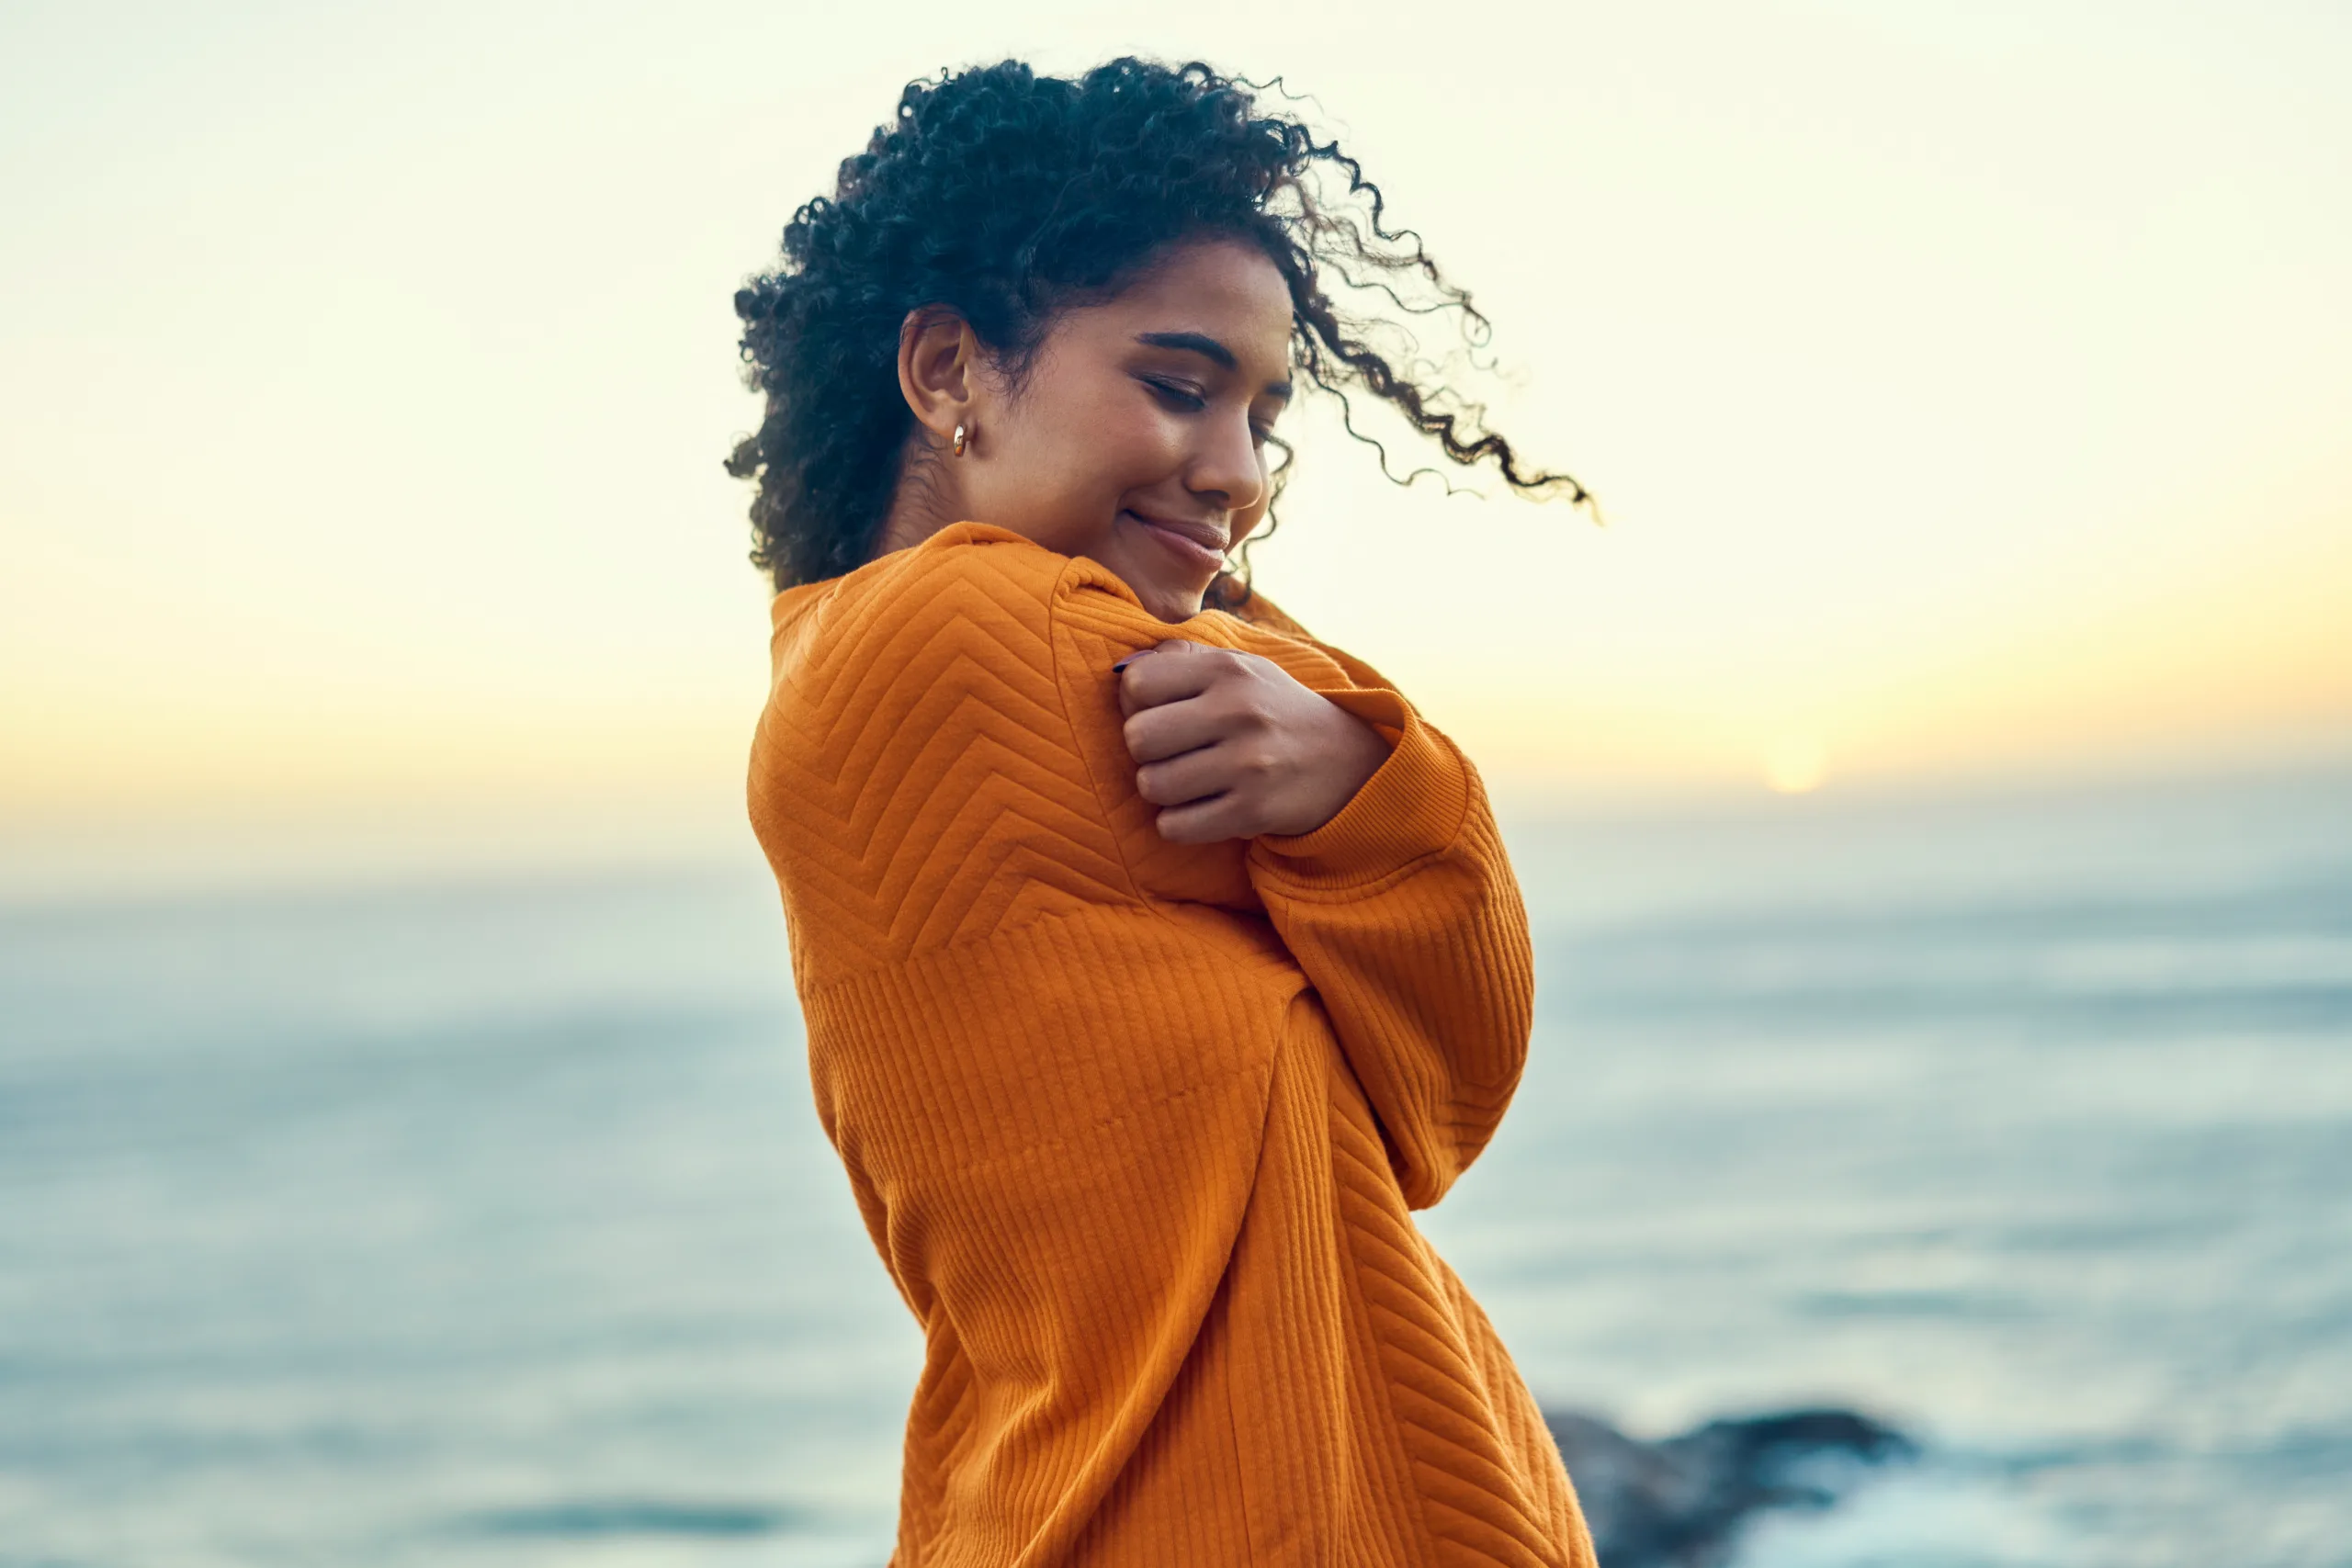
x: 1165, y: 645
x: 1201, y: 821
x: 1170, y: 729
x: 1191, y: 776
x: 1182, y: 670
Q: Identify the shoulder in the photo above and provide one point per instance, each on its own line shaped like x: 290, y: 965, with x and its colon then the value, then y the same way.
x: 972, y: 595
x: 915, y: 780
x: 963, y: 562
x: 979, y: 607
x: 931, y: 665
x: 962, y: 567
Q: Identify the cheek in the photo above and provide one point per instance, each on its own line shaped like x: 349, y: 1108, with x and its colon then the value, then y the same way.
x: 1084, y: 453
x: 1126, y: 441
x: 1080, y: 438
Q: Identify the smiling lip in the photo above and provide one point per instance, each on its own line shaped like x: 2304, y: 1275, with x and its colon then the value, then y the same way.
x: 1200, y: 541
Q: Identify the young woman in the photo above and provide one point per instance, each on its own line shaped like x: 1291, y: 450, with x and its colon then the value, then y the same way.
x: 1158, y: 960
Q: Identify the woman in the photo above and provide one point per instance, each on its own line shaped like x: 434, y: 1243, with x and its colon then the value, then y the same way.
x: 1158, y: 960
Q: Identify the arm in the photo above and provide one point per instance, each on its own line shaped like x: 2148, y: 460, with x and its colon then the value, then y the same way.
x: 1376, y: 857
x: 1403, y: 911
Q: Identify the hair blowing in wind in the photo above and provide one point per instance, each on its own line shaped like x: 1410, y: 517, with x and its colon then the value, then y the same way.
x: 1006, y: 196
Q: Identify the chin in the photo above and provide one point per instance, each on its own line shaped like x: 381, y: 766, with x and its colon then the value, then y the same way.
x: 1170, y: 602
x: 1173, y: 605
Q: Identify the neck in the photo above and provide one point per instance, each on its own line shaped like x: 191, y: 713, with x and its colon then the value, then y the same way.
x: 926, y: 502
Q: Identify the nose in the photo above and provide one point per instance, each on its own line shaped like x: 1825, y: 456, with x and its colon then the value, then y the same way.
x: 1229, y: 466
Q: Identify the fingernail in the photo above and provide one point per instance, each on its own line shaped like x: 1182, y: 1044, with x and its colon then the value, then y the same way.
x: 1122, y: 664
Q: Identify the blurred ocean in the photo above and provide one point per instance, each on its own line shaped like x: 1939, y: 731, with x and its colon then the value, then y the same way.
x: 490, y: 1222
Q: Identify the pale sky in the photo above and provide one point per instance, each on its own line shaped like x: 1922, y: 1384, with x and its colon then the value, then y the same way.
x: 1969, y: 386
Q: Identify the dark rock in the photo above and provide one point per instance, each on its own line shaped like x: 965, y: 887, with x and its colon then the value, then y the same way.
x: 1680, y: 1503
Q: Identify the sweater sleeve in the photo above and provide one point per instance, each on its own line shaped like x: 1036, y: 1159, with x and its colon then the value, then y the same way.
x: 1404, y: 913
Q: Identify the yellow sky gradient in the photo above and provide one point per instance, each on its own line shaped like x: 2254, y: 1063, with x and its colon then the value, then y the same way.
x: 1969, y: 393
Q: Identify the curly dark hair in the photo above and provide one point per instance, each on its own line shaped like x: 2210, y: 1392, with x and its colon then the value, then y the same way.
x: 1005, y: 197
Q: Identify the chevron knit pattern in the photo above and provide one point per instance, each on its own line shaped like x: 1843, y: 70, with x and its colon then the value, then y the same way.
x: 1137, y: 1127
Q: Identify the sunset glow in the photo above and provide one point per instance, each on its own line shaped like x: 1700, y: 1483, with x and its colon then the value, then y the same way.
x: 1972, y: 383
x: 1795, y: 765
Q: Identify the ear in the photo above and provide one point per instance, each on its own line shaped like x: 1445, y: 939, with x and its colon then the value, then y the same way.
x: 938, y: 369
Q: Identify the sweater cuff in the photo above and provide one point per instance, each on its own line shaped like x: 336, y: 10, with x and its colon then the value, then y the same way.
x: 1414, y: 805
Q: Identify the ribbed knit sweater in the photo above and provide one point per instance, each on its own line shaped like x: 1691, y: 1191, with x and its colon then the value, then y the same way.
x: 1137, y: 1126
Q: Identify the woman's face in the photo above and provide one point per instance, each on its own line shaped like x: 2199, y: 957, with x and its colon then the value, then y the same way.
x: 1138, y: 436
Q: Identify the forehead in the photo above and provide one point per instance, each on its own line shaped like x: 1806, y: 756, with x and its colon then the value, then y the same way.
x: 1226, y: 289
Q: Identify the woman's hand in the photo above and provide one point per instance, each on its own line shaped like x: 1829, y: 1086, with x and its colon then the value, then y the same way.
x: 1233, y: 747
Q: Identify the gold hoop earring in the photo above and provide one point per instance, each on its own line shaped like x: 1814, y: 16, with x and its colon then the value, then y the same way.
x: 962, y: 435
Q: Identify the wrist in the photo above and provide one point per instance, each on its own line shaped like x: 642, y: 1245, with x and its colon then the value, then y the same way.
x: 1414, y: 805
x: 1361, y: 749
x: 1345, y: 762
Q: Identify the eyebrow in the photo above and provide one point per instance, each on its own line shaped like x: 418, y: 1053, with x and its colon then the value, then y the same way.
x: 1207, y: 348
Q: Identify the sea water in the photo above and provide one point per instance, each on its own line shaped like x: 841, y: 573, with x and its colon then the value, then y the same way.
x: 488, y: 1222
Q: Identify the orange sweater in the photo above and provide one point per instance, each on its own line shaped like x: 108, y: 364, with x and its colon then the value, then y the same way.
x: 1137, y: 1126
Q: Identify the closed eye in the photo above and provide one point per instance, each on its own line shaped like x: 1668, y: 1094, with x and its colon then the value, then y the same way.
x: 1177, y: 396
